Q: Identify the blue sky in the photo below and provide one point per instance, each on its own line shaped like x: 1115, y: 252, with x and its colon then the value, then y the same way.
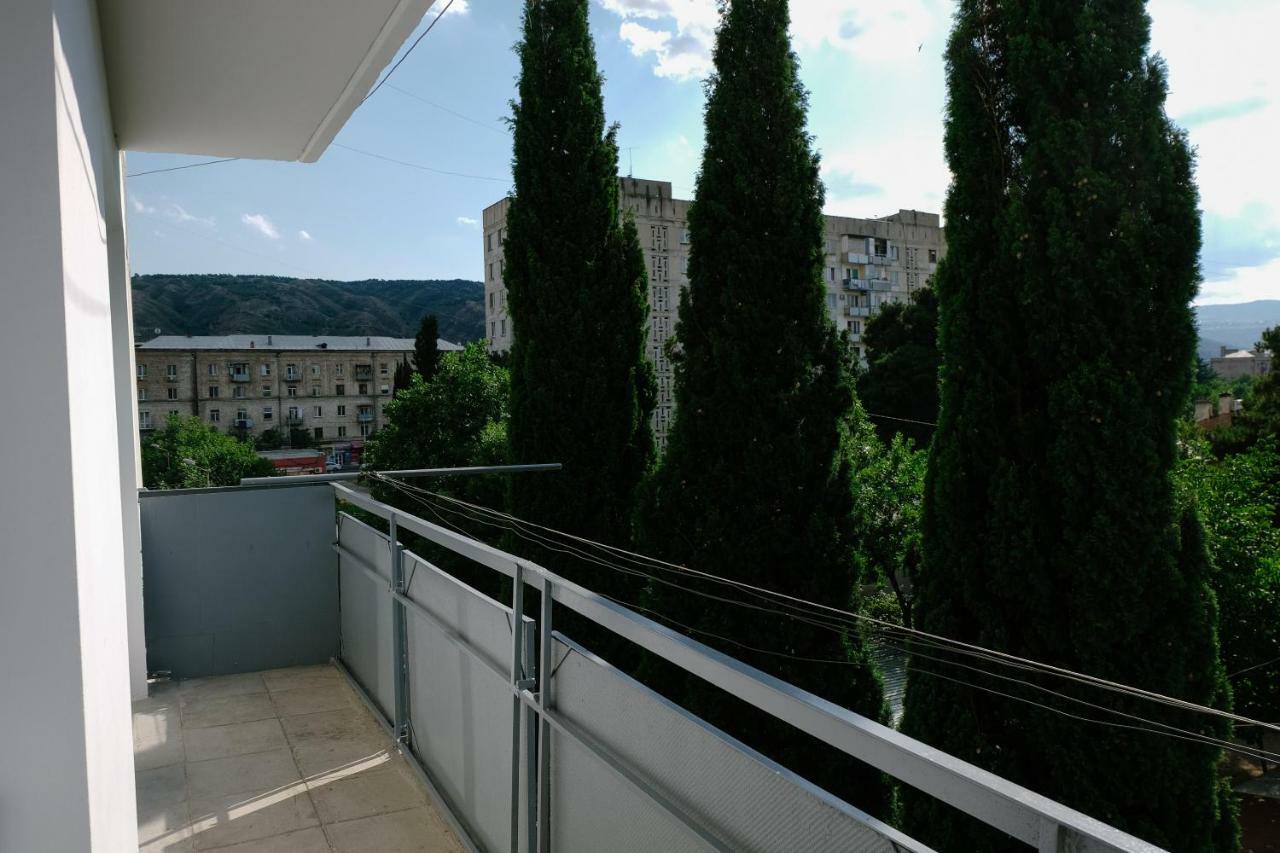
x: 875, y: 76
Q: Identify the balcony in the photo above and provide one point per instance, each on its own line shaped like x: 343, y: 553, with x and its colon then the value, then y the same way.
x: 858, y: 311
x: 243, y: 423
x: 363, y: 372
x: 364, y: 417
x: 859, y: 258
x: 352, y: 692
x: 860, y: 284
x: 292, y: 376
x: 880, y: 260
x: 241, y: 376
x: 293, y: 420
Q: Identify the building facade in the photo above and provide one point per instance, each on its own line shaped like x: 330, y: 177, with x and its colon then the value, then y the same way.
x: 869, y: 263
x: 1232, y: 364
x: 334, y: 388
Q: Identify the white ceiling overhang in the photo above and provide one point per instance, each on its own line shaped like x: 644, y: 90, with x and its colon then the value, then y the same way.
x: 262, y: 79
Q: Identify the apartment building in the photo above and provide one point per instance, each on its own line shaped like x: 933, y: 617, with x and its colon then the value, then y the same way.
x: 333, y: 387
x: 869, y: 263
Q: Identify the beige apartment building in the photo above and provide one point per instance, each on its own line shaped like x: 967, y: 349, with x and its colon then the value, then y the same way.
x: 333, y: 387
x: 869, y: 263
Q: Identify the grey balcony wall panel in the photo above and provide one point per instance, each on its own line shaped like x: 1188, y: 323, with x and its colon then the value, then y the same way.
x: 459, y: 653
x: 238, y: 579
x: 734, y: 795
x: 365, y: 573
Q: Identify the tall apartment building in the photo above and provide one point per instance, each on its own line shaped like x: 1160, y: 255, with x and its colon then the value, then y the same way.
x: 869, y: 263
x: 334, y: 388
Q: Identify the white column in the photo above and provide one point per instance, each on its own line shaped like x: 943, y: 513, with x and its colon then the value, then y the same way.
x: 66, y: 761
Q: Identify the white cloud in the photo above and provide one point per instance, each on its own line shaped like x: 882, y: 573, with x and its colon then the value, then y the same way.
x: 139, y: 207
x: 678, y: 34
x: 260, y: 223
x: 177, y: 213
x: 304, y: 235
x: 468, y: 222
x: 460, y: 7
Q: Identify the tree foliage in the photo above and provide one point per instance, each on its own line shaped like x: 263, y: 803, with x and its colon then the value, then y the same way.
x: 1050, y: 525
x: 901, y: 379
x: 757, y: 480
x: 888, y: 495
x: 581, y: 389
x: 1238, y: 499
x: 186, y: 453
x: 426, y: 347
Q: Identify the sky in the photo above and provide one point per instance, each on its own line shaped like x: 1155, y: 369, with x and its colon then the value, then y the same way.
x: 400, y: 192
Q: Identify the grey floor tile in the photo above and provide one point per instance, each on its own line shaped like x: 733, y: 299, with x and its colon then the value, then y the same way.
x: 199, y: 712
x: 303, y: 841
x: 241, y: 773
x: 161, y: 786
x: 341, y: 756
x: 412, y: 831
x: 344, y: 724
x: 234, y: 739
x: 297, y: 677
x: 157, y: 737
x: 383, y: 789
x: 164, y: 827
x: 218, y: 686
x: 220, y: 821
x: 331, y: 696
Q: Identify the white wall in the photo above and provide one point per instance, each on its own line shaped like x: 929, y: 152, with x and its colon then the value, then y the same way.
x: 66, y: 763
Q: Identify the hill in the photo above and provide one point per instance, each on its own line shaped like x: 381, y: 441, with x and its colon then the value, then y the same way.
x: 1237, y: 326
x: 225, y: 304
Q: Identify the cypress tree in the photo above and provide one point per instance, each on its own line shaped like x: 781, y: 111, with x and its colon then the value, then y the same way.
x: 426, y: 355
x: 1050, y: 527
x: 756, y: 482
x: 581, y: 389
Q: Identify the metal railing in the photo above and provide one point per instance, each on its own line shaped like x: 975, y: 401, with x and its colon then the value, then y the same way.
x: 554, y: 734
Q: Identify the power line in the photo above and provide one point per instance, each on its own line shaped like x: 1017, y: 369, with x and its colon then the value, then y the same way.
x: 419, y: 166
x: 180, y: 168
x: 850, y: 618
x: 903, y: 420
x: 387, y: 76
x: 486, y: 125
x: 1161, y: 728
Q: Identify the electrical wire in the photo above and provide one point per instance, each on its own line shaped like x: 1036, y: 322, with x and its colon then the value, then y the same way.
x: 1160, y: 727
x: 454, y: 113
x: 916, y: 637
x: 417, y: 165
x: 387, y: 76
x: 180, y: 168
x: 903, y: 420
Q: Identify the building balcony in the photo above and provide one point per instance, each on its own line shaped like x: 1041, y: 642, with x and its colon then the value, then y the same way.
x: 243, y: 423
x: 860, y: 284
x: 880, y: 260
x: 382, y: 704
x: 293, y: 420
x: 362, y: 373
x: 858, y: 311
x: 364, y: 417
x: 859, y: 258
x: 240, y: 376
x: 292, y: 376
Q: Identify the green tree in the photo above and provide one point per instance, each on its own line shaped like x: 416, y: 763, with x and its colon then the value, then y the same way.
x: 301, y: 439
x: 901, y: 379
x: 186, y: 454
x: 426, y: 353
x: 403, y: 377
x: 456, y: 419
x: 757, y: 480
x: 1262, y: 406
x: 888, y: 495
x: 581, y: 389
x: 1050, y: 525
x: 269, y: 439
x: 1238, y: 499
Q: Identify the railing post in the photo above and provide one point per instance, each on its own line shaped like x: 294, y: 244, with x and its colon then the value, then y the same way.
x: 545, y: 700
x: 1049, y: 836
x: 517, y: 683
x: 399, y: 638
x: 530, y: 741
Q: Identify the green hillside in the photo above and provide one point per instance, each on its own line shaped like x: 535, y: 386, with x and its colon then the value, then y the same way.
x: 226, y: 304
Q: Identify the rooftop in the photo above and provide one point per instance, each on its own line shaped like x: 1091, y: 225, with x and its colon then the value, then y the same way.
x: 281, y: 343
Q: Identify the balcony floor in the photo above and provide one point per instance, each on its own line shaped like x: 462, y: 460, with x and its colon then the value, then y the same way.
x: 285, y: 761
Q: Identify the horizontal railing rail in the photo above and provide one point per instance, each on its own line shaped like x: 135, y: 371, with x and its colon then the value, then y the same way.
x: 1024, y: 815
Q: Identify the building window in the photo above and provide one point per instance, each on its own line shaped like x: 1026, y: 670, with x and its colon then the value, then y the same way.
x: 266, y: 390
x: 340, y: 389
x: 238, y: 392
x: 214, y: 390
x: 291, y: 390
x: 315, y: 370
x: 342, y: 409
x: 490, y: 300
x: 317, y: 410
x: 363, y: 388
x: 213, y: 369
x: 504, y: 327
x: 267, y: 413
x: 144, y: 420
x: 342, y: 432
x: 266, y: 370
x: 319, y: 432
x: 893, y: 253
x: 142, y: 393
x: 933, y: 256
x: 384, y: 369
x: 242, y: 415
x: 386, y: 389
x: 172, y: 393
x: 491, y: 271
x: 488, y: 242
x: 315, y: 390
x: 215, y: 415
x: 365, y: 429
x: 338, y: 369
x: 142, y: 371
x: 493, y: 329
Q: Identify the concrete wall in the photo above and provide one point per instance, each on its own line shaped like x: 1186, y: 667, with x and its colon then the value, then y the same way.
x: 239, y: 579
x: 66, y: 778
